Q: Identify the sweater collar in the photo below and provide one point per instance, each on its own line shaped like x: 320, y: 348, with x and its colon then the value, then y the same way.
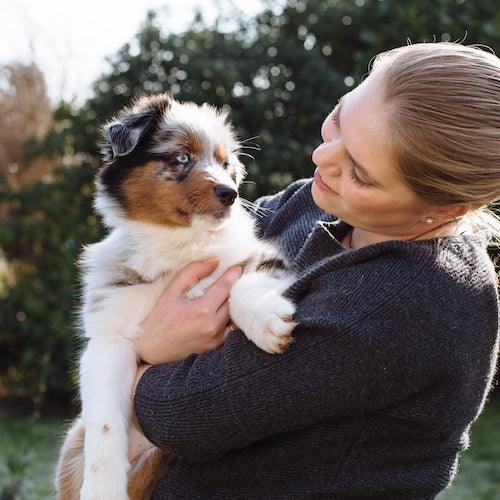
x: 322, y: 243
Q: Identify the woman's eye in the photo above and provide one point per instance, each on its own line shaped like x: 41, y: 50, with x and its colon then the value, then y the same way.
x: 182, y: 158
x: 354, y: 176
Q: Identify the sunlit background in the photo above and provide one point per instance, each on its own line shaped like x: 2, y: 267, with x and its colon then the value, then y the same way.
x: 70, y: 40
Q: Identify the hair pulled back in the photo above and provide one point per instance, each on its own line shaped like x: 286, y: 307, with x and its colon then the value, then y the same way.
x: 443, y: 101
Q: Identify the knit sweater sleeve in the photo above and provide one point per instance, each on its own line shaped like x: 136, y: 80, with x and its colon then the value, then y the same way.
x: 364, y: 343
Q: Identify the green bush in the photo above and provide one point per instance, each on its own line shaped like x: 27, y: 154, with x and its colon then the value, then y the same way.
x: 41, y: 238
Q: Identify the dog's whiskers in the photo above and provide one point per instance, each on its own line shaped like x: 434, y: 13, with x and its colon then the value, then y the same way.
x: 246, y: 144
x: 250, y: 138
x: 246, y: 154
x: 194, y: 196
x: 258, y: 211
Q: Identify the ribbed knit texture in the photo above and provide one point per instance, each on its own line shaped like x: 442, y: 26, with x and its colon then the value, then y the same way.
x: 392, y: 361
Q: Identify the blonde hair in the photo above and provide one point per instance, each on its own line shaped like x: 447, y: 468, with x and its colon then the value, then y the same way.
x: 444, y: 123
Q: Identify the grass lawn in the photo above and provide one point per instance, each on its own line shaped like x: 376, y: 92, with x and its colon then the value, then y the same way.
x: 28, y: 452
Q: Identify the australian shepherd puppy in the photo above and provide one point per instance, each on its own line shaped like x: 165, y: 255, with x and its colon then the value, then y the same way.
x: 169, y: 193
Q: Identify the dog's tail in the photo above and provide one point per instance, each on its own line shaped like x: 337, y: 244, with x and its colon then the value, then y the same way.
x: 69, y: 471
x: 144, y: 475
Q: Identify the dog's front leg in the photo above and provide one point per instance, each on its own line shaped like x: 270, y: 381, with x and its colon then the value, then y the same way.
x: 257, y: 306
x: 107, y: 371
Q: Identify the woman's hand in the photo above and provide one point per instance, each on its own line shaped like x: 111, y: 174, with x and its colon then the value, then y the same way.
x: 178, y: 326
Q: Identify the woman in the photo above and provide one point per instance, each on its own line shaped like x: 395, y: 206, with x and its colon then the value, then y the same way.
x: 397, y: 306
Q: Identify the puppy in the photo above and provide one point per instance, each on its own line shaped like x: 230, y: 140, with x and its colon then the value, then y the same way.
x: 169, y: 193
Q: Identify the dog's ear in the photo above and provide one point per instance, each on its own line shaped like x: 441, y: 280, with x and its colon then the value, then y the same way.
x: 123, y: 135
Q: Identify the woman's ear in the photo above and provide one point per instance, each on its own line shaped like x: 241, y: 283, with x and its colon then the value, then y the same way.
x: 454, y: 211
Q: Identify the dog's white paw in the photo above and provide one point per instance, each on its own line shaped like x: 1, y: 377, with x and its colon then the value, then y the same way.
x: 264, y: 315
x: 196, y: 291
x: 200, y: 288
x: 272, y: 329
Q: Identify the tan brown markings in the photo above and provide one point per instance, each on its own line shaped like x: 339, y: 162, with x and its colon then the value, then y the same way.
x: 153, y: 200
x: 194, y: 143
x: 221, y: 153
x: 168, y: 203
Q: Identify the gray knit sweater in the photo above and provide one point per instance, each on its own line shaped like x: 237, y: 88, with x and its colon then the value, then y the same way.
x: 392, y: 360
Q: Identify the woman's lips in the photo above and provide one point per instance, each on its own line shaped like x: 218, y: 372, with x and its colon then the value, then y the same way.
x: 320, y: 184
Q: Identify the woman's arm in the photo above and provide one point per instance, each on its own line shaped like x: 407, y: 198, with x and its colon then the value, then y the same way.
x: 206, y: 405
x: 361, y: 346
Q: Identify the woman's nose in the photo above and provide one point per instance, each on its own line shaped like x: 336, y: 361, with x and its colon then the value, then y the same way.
x: 327, y: 155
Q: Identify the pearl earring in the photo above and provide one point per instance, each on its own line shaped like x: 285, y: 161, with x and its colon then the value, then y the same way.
x: 429, y: 220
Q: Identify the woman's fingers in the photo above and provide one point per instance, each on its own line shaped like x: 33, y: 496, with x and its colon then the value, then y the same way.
x: 191, y: 274
x: 218, y: 293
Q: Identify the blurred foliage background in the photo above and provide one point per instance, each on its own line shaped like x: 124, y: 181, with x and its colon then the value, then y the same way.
x: 278, y: 74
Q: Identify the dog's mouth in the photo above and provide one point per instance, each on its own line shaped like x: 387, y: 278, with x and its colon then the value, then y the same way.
x: 212, y: 220
x: 221, y: 214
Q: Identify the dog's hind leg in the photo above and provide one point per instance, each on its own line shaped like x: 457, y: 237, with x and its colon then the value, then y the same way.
x: 107, y: 371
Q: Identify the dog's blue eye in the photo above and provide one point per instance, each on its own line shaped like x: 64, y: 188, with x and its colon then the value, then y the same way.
x: 182, y: 158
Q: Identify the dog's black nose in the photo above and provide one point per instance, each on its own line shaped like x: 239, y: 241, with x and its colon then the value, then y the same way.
x: 226, y: 194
